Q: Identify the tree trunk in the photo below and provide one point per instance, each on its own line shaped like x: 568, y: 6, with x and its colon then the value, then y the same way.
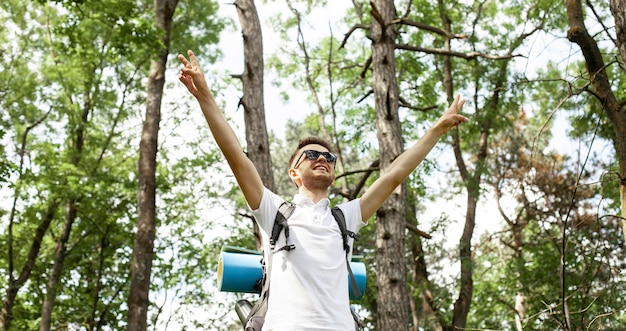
x: 143, y: 248
x: 392, y: 296
x: 426, y: 316
x: 70, y: 216
x: 464, y: 300
x: 57, y: 267
x: 466, y: 281
x: 618, y: 8
x: 599, y: 80
x: 252, y: 100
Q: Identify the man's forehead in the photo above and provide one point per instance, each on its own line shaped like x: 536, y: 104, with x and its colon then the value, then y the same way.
x: 315, y: 147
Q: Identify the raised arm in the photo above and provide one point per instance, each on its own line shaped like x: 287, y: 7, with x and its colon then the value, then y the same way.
x: 244, y: 170
x: 404, y: 164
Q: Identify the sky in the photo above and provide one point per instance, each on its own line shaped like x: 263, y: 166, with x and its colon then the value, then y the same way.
x: 231, y: 45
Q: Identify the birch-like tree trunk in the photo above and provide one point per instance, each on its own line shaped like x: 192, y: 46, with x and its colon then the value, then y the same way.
x: 143, y: 248
x: 392, y: 296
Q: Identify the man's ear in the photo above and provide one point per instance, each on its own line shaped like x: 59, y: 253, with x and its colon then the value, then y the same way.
x: 295, y: 176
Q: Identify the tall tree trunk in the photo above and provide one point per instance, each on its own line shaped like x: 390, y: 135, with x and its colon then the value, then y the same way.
x: 257, y: 141
x: 617, y: 114
x: 392, y: 296
x: 466, y: 282
x: 70, y: 216
x: 599, y: 80
x: 425, y: 315
x: 57, y: 267
x: 618, y: 8
x: 143, y: 249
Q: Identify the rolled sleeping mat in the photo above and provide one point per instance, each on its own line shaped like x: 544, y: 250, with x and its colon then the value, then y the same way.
x: 239, y: 270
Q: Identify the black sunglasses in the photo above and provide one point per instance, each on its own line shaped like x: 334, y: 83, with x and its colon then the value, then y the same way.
x: 314, y: 155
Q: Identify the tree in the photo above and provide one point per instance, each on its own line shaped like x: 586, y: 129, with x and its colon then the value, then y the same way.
x: 552, y: 264
x: 141, y: 266
x: 196, y: 26
x: 252, y: 101
x: 83, y: 55
x: 64, y: 152
x: 392, y: 311
x: 600, y: 81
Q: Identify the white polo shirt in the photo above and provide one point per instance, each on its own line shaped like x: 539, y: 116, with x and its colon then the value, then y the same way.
x: 309, y: 288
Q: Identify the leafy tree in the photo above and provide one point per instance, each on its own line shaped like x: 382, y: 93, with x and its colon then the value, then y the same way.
x: 67, y: 148
x: 68, y: 123
x: 552, y: 264
x: 143, y: 251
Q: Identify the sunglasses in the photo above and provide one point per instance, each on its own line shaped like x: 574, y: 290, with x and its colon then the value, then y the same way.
x: 314, y: 155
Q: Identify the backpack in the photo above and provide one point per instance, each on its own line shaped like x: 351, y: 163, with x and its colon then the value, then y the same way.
x: 256, y: 314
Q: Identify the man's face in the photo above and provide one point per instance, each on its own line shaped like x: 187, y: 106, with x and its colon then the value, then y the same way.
x: 314, y: 167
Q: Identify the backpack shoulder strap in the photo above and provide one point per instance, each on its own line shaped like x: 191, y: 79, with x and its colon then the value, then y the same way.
x: 345, y: 233
x: 280, y: 223
x: 256, y: 316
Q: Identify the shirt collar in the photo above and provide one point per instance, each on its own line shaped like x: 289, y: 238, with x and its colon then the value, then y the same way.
x: 305, y: 201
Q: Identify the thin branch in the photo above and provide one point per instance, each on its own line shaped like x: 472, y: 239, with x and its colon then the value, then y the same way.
x: 417, y: 231
x: 467, y: 56
x: 347, y: 35
x: 404, y: 21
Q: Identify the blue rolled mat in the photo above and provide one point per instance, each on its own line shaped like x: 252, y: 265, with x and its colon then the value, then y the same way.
x: 239, y: 270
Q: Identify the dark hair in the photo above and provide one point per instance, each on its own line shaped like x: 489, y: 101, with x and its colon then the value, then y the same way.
x: 308, y: 141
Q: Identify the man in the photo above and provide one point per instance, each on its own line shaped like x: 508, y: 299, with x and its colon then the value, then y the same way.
x: 309, y: 287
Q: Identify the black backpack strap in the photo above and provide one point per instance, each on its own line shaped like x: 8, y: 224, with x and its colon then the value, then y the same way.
x: 256, y: 316
x: 341, y: 221
x: 280, y: 223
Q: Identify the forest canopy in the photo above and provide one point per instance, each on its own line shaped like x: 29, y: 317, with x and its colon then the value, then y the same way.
x: 516, y: 220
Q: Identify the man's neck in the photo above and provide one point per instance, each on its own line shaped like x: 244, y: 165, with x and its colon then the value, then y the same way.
x: 315, y: 195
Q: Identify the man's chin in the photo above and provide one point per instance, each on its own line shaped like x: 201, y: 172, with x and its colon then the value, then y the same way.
x: 322, y: 181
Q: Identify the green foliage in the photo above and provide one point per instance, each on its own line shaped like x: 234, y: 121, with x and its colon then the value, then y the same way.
x: 504, y: 99
x: 72, y: 67
x: 524, y: 258
x: 73, y: 106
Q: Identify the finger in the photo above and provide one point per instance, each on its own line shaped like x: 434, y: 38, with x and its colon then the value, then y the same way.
x: 182, y: 59
x: 456, y: 105
x: 192, y: 58
x: 460, y: 105
x: 460, y: 119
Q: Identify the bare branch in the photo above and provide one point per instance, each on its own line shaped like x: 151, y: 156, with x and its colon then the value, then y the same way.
x: 370, y: 92
x: 405, y: 21
x: 417, y: 231
x: 467, y: 56
x: 366, y: 67
x: 404, y: 103
x: 379, y: 18
x: 349, y: 33
x: 374, y: 166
